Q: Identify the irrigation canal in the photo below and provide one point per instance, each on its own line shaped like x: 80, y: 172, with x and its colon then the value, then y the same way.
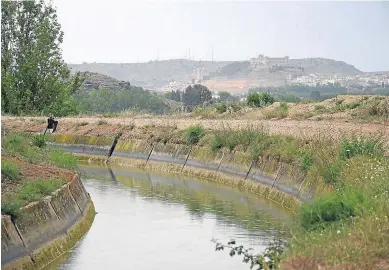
x: 148, y: 220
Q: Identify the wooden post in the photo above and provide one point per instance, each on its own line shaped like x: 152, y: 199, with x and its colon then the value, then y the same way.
x: 152, y: 149
x: 301, y: 186
x: 190, y: 150
x: 278, y: 171
x: 252, y: 162
x: 220, y: 163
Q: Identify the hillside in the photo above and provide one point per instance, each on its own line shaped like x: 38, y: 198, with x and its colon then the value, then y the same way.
x: 103, y: 94
x: 150, y: 74
x: 235, y: 76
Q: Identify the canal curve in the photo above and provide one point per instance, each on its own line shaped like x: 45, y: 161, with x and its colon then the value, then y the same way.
x: 149, y: 220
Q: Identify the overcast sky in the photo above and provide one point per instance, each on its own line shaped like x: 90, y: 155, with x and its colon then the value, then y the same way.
x: 128, y: 31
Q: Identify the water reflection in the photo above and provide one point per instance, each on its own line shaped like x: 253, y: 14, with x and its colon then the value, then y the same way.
x: 153, y: 220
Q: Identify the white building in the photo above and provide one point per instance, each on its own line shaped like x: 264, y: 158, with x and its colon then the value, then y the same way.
x: 265, y: 61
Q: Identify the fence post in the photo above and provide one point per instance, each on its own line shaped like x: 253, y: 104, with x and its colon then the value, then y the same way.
x: 278, y: 171
x: 152, y: 149
x: 190, y: 150
x: 220, y: 163
x: 301, y: 186
x: 251, y: 165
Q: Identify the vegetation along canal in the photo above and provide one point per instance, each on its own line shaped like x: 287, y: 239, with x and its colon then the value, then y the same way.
x: 163, y: 221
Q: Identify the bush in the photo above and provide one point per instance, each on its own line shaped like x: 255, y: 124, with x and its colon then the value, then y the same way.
x: 253, y: 100
x: 331, y: 208
x: 39, y: 141
x: 221, y: 108
x: 194, y: 134
x: 101, y: 122
x: 11, y: 208
x: 332, y: 173
x: 278, y: 112
x: 306, y: 161
x: 365, y: 146
x: 82, y: 124
x: 10, y: 169
x: 320, y: 108
x: 217, y: 142
x: 63, y: 159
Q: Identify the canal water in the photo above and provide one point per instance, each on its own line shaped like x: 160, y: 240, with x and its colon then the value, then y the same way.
x: 148, y: 220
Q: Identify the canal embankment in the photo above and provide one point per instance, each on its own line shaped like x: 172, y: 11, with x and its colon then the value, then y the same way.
x: 45, y: 207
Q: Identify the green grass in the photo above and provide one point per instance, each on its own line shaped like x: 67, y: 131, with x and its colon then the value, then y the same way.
x: 10, y: 169
x: 63, y: 159
x: 332, y: 208
x: 39, y: 141
x: 29, y: 192
x: 24, y: 147
x: 350, y: 226
x: 20, y: 146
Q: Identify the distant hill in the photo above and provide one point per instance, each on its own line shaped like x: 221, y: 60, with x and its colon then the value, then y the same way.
x: 217, y: 74
x: 150, y: 74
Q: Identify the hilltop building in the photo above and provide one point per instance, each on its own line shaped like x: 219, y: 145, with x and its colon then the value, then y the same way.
x: 263, y: 61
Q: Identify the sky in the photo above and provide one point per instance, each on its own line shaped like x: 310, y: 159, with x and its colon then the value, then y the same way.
x: 139, y: 31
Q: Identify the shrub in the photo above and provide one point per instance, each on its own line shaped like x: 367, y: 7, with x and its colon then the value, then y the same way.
x: 266, y: 99
x: 63, y: 159
x: 194, y: 134
x: 320, y: 108
x: 82, y: 124
x: 11, y: 208
x: 101, y: 122
x: 10, y: 169
x: 306, y: 161
x: 332, y: 173
x: 365, y: 146
x: 235, y: 107
x: 278, y: 112
x: 253, y: 100
x: 221, y: 108
x: 354, y: 105
x: 331, y: 208
x: 39, y: 141
x: 217, y: 142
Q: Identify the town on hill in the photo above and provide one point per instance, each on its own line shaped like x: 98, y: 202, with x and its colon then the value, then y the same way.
x: 238, y: 77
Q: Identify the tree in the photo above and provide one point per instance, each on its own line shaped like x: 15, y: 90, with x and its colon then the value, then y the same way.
x: 196, y: 95
x: 266, y: 99
x: 253, y: 100
x: 259, y: 100
x: 225, y: 96
x: 34, y: 77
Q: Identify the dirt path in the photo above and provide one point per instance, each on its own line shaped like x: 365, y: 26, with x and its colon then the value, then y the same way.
x: 285, y: 126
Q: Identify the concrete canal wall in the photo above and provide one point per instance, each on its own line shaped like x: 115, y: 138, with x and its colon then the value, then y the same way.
x: 268, y: 177
x: 46, y: 229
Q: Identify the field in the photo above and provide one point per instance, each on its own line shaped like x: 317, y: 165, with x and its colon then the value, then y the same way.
x: 344, y: 115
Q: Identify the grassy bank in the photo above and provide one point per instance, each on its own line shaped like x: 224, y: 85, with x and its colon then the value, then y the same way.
x: 347, y: 227
x: 31, y: 170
